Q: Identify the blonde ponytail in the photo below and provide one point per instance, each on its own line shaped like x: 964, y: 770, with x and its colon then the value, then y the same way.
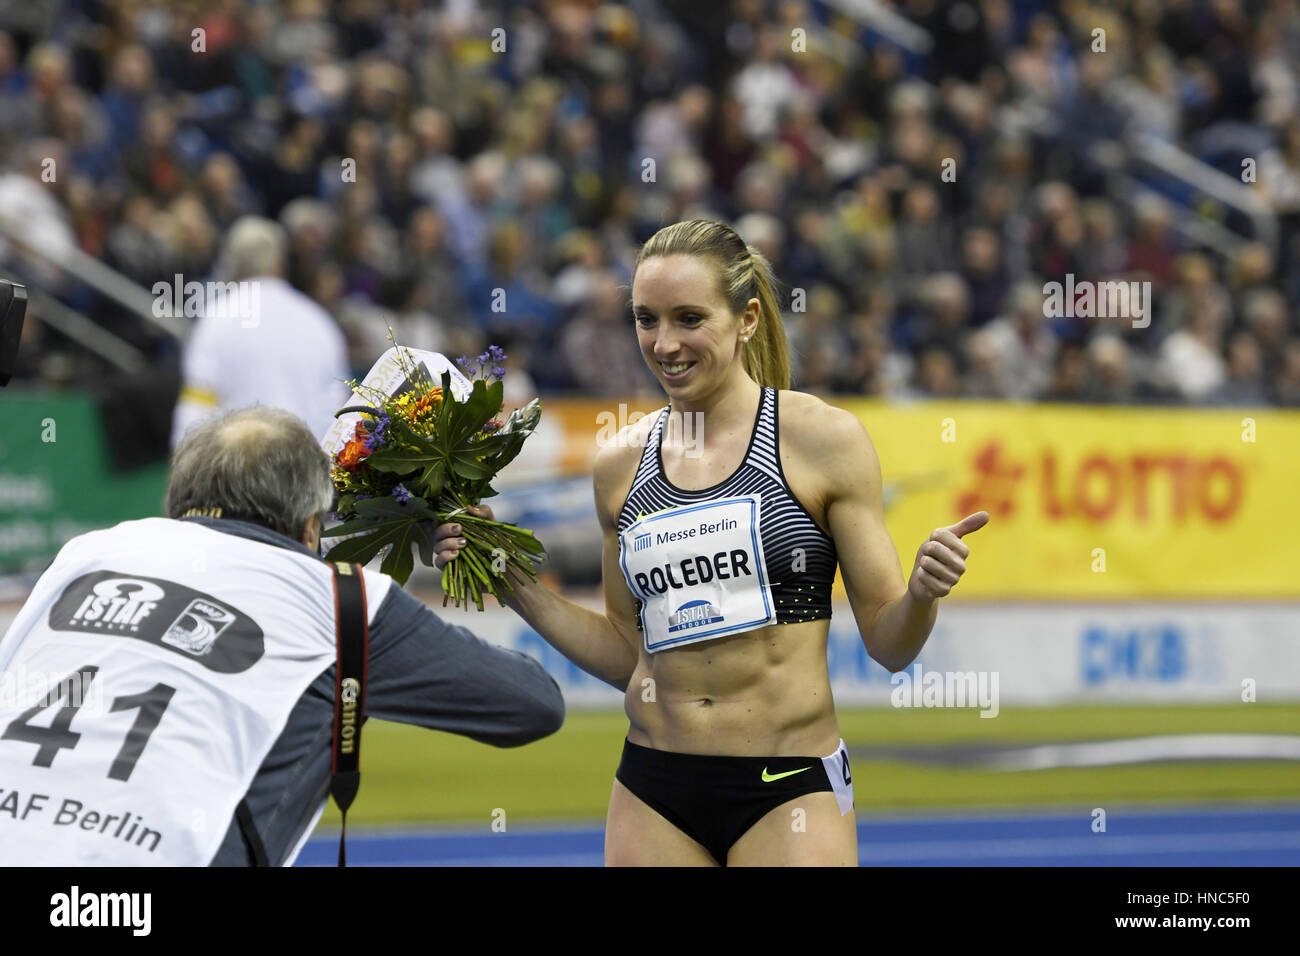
x: 767, y: 353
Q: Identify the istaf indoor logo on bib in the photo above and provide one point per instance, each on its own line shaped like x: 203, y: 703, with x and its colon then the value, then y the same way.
x: 698, y: 571
x: 161, y: 612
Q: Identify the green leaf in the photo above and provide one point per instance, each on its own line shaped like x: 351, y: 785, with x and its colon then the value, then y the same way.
x: 432, y: 481
x: 426, y: 462
x: 425, y: 542
x: 359, y: 549
x: 517, y: 428
x: 402, y: 533
x: 352, y: 527
x: 386, y: 506
x: 357, y: 408
x: 471, y: 470
x: 467, y: 418
x: 448, y: 401
x: 399, y: 563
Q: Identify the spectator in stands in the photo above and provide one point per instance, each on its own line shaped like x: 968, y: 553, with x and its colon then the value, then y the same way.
x: 1265, y: 317
x: 1244, y: 383
x: 1024, y: 343
x: 985, y: 374
x: 937, y: 374
x: 599, y: 346
x: 1191, y: 357
x: 1070, y: 375
x: 1111, y: 378
x: 31, y: 212
x: 527, y: 172
x: 284, y: 350
x: 510, y: 295
x: 944, y: 313
x: 1286, y: 381
x: 819, y: 344
x: 225, y: 191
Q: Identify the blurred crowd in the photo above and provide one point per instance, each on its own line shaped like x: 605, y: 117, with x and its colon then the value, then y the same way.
x: 434, y: 162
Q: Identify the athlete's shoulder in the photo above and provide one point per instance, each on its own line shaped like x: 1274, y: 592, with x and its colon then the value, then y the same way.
x: 812, y: 425
x: 616, y: 461
x: 828, y: 440
x: 622, y: 450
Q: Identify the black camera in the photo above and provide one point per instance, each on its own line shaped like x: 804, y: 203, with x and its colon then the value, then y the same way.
x: 13, y: 306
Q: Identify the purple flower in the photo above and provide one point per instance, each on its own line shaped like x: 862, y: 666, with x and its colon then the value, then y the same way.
x: 492, y: 362
x: 401, y: 494
x: 375, y: 432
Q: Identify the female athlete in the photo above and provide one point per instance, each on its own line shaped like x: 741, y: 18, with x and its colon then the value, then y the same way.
x: 724, y: 516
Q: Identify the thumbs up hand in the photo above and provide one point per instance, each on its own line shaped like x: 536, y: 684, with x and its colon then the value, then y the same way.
x: 941, y: 560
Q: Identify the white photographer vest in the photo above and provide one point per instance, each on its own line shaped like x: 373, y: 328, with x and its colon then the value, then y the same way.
x: 144, y: 682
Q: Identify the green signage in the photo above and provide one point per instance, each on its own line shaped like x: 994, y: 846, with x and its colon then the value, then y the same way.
x: 56, y: 477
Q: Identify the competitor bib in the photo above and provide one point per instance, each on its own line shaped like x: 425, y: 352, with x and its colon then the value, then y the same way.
x: 698, y: 571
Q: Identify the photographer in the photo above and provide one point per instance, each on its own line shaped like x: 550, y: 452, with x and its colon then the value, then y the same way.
x: 192, y: 666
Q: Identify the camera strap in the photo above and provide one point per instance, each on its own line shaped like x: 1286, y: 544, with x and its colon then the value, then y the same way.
x: 352, y: 648
x: 353, y: 645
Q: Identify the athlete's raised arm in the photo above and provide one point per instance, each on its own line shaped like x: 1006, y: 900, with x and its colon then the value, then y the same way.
x: 603, y: 645
x: 894, y: 618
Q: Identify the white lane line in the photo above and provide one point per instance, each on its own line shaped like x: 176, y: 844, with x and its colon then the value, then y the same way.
x: 1143, y: 749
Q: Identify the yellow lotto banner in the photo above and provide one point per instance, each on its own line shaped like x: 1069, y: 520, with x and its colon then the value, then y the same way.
x: 1092, y: 502
x: 1086, y: 502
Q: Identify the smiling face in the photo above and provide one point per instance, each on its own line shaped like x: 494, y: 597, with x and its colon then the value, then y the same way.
x: 688, y: 336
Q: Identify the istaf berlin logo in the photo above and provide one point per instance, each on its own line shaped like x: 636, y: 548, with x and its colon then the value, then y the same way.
x: 161, y: 612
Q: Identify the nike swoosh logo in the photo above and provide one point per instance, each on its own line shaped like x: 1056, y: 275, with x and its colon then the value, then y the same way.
x: 769, y: 777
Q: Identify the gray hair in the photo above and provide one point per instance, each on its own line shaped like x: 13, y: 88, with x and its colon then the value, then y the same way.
x: 259, y: 464
x: 307, y: 211
x: 253, y: 247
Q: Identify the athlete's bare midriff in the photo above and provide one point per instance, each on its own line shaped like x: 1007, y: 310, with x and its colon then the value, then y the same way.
x: 764, y: 692
x: 761, y: 693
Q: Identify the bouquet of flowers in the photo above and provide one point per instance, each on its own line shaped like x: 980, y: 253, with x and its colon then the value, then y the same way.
x: 420, y: 456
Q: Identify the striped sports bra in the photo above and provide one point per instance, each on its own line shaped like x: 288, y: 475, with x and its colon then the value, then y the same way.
x: 735, y: 556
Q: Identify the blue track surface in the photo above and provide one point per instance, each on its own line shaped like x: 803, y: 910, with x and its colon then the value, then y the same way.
x: 1265, y: 836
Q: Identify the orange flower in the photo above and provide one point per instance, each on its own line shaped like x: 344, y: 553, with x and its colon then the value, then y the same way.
x: 353, y: 453
x: 426, y: 403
